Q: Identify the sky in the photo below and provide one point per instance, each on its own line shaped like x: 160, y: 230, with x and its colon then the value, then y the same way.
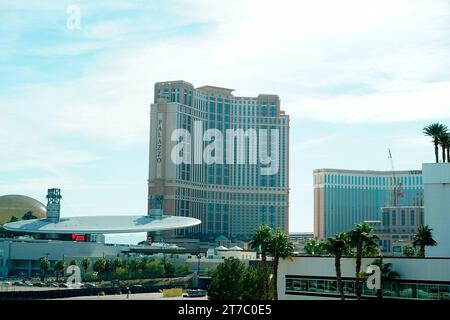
x: 356, y: 77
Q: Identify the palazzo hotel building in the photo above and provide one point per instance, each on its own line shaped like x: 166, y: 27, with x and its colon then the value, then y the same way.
x: 231, y: 199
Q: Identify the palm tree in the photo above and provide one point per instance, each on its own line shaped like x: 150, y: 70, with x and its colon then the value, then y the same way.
x: 337, y: 247
x: 434, y: 131
x: 361, y: 238
x: 314, y: 248
x: 279, y: 247
x: 85, y: 263
x: 444, y: 141
x: 99, y: 267
x: 386, y: 274
x: 108, y: 269
x: 423, y: 238
x: 132, y: 265
x: 59, y: 267
x: 261, y: 241
x: 386, y: 270
x: 44, y: 266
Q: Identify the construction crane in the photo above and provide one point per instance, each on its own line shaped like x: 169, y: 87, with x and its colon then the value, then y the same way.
x: 396, y: 188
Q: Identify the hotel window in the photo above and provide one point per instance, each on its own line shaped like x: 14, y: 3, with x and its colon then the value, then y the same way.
x: 412, y: 218
x: 403, y: 217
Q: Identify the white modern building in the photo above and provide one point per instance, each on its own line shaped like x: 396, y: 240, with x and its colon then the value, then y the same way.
x: 436, y: 179
x: 19, y: 257
x: 314, y: 278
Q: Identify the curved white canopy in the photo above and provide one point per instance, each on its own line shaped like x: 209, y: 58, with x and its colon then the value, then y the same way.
x: 102, y: 224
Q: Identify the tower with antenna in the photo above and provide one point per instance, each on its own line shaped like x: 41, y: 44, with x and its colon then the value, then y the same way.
x: 53, y: 205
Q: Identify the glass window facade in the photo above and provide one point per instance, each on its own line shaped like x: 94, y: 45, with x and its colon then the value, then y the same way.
x: 230, y: 199
x: 345, y: 198
x: 391, y: 289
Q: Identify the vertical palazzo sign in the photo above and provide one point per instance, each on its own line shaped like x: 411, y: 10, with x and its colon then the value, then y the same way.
x: 159, y: 145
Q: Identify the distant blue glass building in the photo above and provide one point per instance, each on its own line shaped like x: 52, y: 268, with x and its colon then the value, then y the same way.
x: 229, y: 199
x: 343, y: 198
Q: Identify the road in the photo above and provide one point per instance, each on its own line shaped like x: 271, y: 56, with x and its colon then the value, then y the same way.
x: 134, y: 296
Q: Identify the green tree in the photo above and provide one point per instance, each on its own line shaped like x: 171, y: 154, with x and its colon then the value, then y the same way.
x: 261, y: 241
x: 44, y: 265
x: 253, y: 277
x: 444, y: 141
x: 120, y: 273
x: 386, y: 270
x: 29, y: 216
x: 314, y: 248
x: 153, y: 268
x: 361, y: 238
x: 280, y: 247
x: 59, y: 268
x: 182, y: 269
x: 434, y: 131
x: 387, y: 275
x: 227, y: 280
x: 338, y: 246
x: 408, y: 251
x: 169, y: 269
x: 85, y: 264
x: 13, y: 219
x: 132, y: 266
x: 423, y: 238
x: 99, y: 267
x: 108, y: 269
x: 89, y: 277
x: 73, y: 262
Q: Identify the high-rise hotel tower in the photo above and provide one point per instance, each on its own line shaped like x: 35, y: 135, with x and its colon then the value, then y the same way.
x: 343, y: 198
x: 219, y: 158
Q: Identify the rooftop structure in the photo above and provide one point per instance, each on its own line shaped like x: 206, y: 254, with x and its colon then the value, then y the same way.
x: 98, y: 224
x: 17, y: 205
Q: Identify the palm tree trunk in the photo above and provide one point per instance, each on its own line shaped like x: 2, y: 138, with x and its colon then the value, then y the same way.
x: 436, y: 151
x: 337, y: 264
x: 448, y: 154
x: 443, y: 154
x: 276, y: 261
x: 421, y: 251
x: 264, y: 270
x: 358, y: 271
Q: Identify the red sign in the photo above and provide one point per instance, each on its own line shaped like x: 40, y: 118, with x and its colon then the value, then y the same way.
x: 78, y: 237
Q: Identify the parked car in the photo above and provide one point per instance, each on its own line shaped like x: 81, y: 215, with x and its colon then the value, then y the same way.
x: 91, y: 285
x: 54, y: 284
x: 40, y: 284
x: 18, y: 283
x: 64, y: 285
x: 6, y: 283
x: 195, y: 293
x: 137, y: 288
x: 28, y: 284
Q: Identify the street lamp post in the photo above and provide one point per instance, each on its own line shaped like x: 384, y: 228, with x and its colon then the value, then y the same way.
x: 199, y: 256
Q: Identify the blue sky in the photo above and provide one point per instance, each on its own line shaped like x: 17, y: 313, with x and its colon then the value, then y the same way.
x: 356, y: 77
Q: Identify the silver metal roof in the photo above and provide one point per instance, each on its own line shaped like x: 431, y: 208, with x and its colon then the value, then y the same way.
x: 102, y: 224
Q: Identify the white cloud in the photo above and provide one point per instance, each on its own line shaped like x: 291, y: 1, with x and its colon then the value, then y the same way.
x: 424, y: 102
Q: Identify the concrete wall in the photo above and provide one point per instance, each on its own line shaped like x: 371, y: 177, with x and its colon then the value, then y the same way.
x: 437, y: 206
